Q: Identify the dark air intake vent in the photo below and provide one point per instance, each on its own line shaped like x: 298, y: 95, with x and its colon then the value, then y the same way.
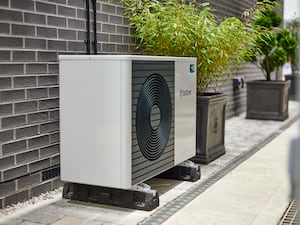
x: 153, y: 117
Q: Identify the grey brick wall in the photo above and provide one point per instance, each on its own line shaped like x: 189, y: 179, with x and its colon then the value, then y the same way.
x: 32, y: 35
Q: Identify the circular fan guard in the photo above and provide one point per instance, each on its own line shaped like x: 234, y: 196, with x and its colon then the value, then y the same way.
x: 153, y: 117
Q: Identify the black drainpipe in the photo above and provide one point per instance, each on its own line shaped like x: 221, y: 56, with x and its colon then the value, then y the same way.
x: 88, y: 39
x: 95, y: 26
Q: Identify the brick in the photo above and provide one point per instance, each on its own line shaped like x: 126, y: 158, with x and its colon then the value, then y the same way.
x: 103, y: 17
x: 49, y: 127
x: 5, y: 83
x: 7, y: 162
x: 24, y: 4
x: 57, y: 21
x: 108, y: 28
x: 76, y: 46
x: 103, y: 38
x: 81, y: 36
x: 42, y: 188
x: 27, y: 132
x: 16, y: 198
x: 76, y: 24
x: 23, y: 56
x: 36, y: 68
x: 37, y: 93
x: 4, y: 3
x: 35, y: 43
x: 14, y: 147
x: 49, y: 151
x: 21, y: 82
x: 46, y: 32
x: 13, y: 121
x: 27, y: 157
x: 34, y: 18
x: 6, y: 136
x: 24, y: 107
x: 66, y: 11
x: 27, y: 181
x: 116, y: 38
x: 39, y: 165
x: 11, y: 69
x: 47, y: 56
x: 57, y: 45
x: 4, y: 28
x: 67, y: 34
x: 54, y: 138
x: 77, y: 3
x: 54, y: 115
x: 115, y: 19
x: 128, y: 40
x: 108, y: 47
x: 6, y: 96
x: 4, y: 55
x: 55, y: 160
x: 122, y: 30
x: 54, y: 92
x: 120, y: 11
x: 45, y: 8
x: 5, y: 109
x: 23, y: 30
x: 122, y: 48
x: 14, y: 173
x: 49, y: 104
x: 81, y: 14
x: 38, y: 117
x: 7, y: 187
x: 38, y: 141
x: 108, y: 8
x: 10, y: 15
x: 53, y: 68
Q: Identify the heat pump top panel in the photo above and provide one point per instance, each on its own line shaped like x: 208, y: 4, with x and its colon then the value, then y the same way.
x: 125, y: 119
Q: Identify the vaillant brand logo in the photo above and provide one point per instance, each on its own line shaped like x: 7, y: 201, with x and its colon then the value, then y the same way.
x: 185, y: 92
x: 192, y: 69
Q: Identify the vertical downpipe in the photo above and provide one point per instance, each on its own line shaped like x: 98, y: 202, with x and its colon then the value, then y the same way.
x: 88, y: 30
x: 95, y: 26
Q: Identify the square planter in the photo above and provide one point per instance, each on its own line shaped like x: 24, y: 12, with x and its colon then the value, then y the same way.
x: 267, y: 100
x: 210, y: 127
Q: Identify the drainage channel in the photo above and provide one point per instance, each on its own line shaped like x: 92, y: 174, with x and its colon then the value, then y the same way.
x: 171, y: 208
x: 291, y: 215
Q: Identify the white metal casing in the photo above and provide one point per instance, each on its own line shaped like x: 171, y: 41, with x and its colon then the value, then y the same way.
x: 95, y: 116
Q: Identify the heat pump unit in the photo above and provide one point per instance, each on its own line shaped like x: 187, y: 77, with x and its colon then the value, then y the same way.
x: 125, y: 119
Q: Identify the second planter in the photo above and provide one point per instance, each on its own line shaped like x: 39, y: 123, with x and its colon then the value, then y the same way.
x: 210, y: 127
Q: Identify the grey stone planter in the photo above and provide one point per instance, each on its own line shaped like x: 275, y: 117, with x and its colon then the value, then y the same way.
x: 267, y: 100
x: 210, y: 127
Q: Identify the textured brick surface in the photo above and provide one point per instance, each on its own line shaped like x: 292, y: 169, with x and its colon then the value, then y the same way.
x: 14, y: 147
x: 29, y: 180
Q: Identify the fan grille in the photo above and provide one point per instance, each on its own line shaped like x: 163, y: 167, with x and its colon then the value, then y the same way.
x: 153, y: 117
x: 143, y: 168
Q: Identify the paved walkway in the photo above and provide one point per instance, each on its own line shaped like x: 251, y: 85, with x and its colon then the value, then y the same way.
x: 247, y: 186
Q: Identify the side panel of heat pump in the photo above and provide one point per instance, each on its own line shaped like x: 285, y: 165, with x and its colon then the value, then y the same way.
x: 185, y: 109
x: 91, y: 101
x: 142, y: 167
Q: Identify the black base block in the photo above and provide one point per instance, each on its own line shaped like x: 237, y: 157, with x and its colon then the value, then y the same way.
x: 142, y: 200
x: 187, y: 171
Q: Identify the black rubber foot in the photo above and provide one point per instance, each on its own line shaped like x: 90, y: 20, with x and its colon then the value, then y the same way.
x: 187, y: 171
x: 142, y: 200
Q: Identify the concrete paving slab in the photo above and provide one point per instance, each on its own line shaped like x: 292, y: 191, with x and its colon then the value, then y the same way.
x: 236, y: 201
